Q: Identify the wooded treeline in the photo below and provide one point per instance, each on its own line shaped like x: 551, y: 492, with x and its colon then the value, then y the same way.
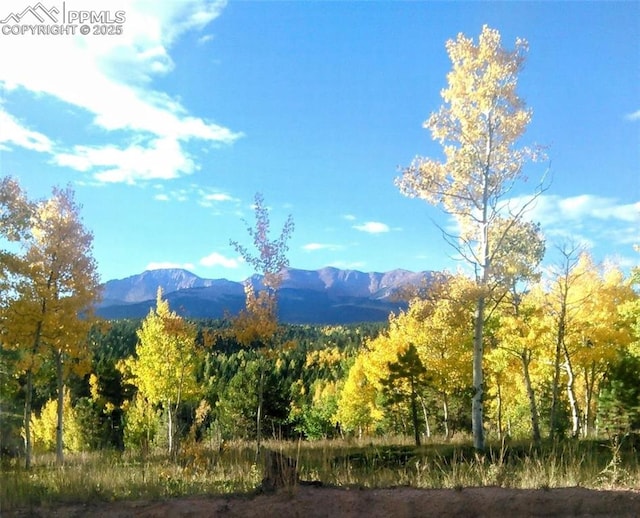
x: 105, y: 409
x: 328, y: 381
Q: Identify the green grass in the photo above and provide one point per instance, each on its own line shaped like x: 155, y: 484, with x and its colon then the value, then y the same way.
x: 108, y: 476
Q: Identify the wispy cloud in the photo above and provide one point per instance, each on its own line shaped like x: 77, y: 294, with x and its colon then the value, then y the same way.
x: 217, y: 259
x: 161, y: 159
x: 217, y: 196
x: 586, y: 219
x: 554, y: 210
x: 110, y: 78
x: 348, y: 265
x: 373, y: 227
x: 13, y: 132
x: 210, y: 198
x: 634, y: 116
x: 312, y: 247
x: 162, y: 265
x: 204, y: 39
x: 205, y: 197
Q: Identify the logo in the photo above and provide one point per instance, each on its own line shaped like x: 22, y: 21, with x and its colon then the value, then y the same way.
x: 38, y: 20
x: 39, y: 11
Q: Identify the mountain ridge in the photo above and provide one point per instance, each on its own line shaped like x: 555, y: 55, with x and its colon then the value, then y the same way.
x: 325, y: 296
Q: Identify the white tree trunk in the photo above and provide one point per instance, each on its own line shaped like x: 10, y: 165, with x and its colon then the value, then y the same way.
x: 477, y: 423
x: 60, y: 423
x: 533, y: 408
x: 28, y: 391
x: 170, y: 426
x: 573, y: 401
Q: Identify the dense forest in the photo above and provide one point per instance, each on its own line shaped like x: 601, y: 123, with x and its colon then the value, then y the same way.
x: 562, y: 359
x: 105, y: 410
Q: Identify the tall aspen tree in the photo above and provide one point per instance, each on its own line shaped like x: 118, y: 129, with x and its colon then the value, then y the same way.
x: 478, y: 126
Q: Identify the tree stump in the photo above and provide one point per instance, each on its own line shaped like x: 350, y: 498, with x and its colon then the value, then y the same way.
x: 280, y: 471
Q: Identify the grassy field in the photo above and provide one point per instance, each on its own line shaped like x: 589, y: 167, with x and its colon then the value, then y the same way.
x: 108, y: 476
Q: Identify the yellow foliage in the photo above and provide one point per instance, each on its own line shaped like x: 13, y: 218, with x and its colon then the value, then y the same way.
x: 258, y: 322
x: 52, y: 310
x: 328, y: 357
x: 580, y: 309
x: 43, y: 427
x: 440, y: 327
x: 481, y: 120
x: 164, y: 368
x: 94, y: 388
x: 357, y: 410
x: 203, y: 410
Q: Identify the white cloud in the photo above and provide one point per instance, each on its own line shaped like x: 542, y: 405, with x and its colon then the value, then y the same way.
x: 205, y: 197
x: 161, y: 159
x: 586, y: 219
x: 311, y: 247
x: 204, y: 39
x: 217, y: 259
x: 628, y: 212
x: 111, y: 79
x: 621, y: 262
x: 598, y: 207
x: 218, y: 197
x: 180, y: 195
x: 345, y: 265
x: 349, y: 217
x: 208, y: 199
x: 372, y: 227
x: 557, y: 210
x: 13, y: 132
x: 634, y: 116
x: 162, y: 265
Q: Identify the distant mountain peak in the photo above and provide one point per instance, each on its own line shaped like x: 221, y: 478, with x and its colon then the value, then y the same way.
x: 144, y: 286
x: 174, y: 273
x: 327, y: 295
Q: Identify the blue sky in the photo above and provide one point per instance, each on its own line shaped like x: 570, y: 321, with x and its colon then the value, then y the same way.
x: 168, y: 130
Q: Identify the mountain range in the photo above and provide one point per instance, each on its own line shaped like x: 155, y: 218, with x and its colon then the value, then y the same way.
x: 325, y: 296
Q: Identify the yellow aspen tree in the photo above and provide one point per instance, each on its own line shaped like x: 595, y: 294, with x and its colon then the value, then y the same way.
x: 631, y: 309
x: 357, y: 410
x: 165, y: 363
x: 257, y: 324
x: 602, y: 331
x: 45, y: 427
x: 52, y: 313
x: 15, y: 213
x: 479, y: 126
x: 576, y: 296
x: 440, y: 326
x: 561, y: 304
x: 358, y: 405
x: 516, y: 267
x: 520, y: 332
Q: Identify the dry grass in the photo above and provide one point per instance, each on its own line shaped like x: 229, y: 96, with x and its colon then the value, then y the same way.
x: 108, y: 476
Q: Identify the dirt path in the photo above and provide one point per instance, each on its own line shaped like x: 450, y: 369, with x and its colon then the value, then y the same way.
x: 312, y: 502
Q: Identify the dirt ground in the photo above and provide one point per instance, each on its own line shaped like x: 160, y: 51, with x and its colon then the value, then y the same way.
x: 316, y: 502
